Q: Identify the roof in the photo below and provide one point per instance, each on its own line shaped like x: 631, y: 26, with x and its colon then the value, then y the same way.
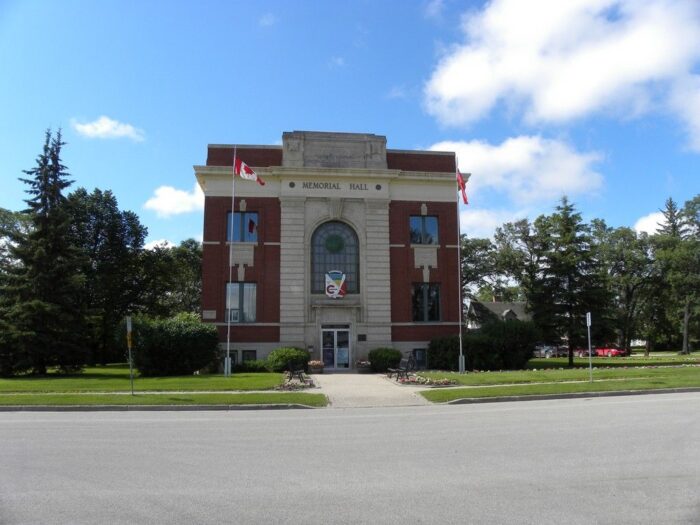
x: 262, y: 156
x: 485, y: 310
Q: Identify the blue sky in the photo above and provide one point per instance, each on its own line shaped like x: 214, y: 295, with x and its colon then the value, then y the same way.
x: 596, y: 99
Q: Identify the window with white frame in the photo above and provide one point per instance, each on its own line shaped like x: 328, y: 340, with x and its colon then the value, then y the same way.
x: 241, y: 302
x: 244, y: 227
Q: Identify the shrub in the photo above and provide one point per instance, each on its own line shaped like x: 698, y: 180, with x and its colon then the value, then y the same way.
x: 176, y: 346
x: 497, y: 345
x: 513, y: 340
x: 279, y: 359
x: 257, y: 365
x: 382, y: 359
x: 443, y: 353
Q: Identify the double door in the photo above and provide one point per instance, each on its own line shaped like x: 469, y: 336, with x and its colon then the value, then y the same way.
x: 335, y: 342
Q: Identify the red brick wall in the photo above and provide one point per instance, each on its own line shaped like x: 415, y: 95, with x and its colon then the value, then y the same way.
x: 420, y: 161
x: 404, y: 275
x: 255, y: 157
x: 265, y: 271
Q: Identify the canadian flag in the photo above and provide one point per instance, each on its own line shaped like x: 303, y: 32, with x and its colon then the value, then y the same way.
x: 462, y: 185
x: 245, y: 172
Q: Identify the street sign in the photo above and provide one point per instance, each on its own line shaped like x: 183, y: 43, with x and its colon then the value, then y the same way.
x: 588, y: 318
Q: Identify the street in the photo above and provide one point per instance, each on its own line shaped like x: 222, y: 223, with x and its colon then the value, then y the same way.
x: 606, y: 460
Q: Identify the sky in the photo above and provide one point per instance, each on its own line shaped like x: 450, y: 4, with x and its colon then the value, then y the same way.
x: 598, y: 100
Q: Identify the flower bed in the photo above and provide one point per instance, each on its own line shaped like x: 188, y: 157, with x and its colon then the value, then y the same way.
x: 414, y: 379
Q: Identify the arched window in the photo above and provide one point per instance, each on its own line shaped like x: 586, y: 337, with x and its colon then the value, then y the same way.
x: 334, y: 246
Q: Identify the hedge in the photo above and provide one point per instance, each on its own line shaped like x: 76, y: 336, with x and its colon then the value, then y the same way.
x: 279, y: 359
x: 179, y: 345
x: 382, y: 359
x: 498, y: 345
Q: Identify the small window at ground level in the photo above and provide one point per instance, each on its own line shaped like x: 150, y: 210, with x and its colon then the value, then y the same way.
x: 425, y: 300
x: 244, y: 228
x: 241, y: 302
x: 249, y: 355
x: 424, y: 229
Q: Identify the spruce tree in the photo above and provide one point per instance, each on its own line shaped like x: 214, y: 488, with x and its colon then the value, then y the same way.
x: 40, y: 293
x: 571, y: 281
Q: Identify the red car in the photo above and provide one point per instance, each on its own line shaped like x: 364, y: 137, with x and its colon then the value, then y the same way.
x: 609, y: 351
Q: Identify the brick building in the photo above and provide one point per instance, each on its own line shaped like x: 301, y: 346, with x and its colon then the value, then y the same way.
x: 347, y: 247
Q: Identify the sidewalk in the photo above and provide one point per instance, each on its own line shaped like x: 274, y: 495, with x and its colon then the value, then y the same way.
x: 348, y: 390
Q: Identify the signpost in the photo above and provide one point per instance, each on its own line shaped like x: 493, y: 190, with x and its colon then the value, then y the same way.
x: 590, y: 358
x: 128, y: 344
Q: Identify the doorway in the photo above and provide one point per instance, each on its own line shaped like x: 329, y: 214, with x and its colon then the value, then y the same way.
x: 335, y: 346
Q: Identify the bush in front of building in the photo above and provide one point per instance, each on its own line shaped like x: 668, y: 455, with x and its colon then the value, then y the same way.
x: 280, y: 358
x: 180, y: 345
x: 382, y: 359
x: 514, y: 341
x: 254, y: 365
x: 497, y: 345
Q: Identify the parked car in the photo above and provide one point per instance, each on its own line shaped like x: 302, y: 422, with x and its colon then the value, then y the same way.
x: 609, y: 351
x: 549, y: 350
x: 583, y: 352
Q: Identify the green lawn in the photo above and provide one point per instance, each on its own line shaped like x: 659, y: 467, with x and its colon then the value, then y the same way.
x: 654, y: 359
x: 115, y: 378
x: 315, y: 400
x: 551, y: 382
x: 559, y: 375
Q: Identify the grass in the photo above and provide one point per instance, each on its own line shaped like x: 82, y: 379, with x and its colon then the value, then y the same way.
x: 654, y: 359
x: 115, y: 378
x: 559, y: 375
x: 553, y: 382
x: 60, y: 399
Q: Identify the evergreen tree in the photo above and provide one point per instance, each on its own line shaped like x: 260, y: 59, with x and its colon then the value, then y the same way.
x: 571, y: 280
x: 674, y: 222
x: 110, y: 241
x: 39, y: 300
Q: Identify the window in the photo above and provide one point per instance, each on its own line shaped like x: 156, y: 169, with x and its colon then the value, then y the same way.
x: 249, y: 355
x: 334, y: 246
x: 424, y: 229
x: 420, y: 355
x: 245, y: 226
x: 240, y: 302
x: 425, y: 299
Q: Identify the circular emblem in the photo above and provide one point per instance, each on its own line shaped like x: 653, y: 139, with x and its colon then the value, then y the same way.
x: 291, y: 184
x: 334, y: 243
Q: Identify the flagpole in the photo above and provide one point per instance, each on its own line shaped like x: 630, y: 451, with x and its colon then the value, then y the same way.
x: 227, y: 365
x: 459, y: 280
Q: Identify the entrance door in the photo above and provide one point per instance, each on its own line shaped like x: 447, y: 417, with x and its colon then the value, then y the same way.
x: 336, y: 347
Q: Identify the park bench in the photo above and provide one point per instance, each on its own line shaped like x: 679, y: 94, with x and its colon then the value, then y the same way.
x: 295, y: 370
x: 405, y: 366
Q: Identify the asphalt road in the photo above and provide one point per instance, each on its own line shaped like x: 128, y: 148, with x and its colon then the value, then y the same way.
x: 605, y: 460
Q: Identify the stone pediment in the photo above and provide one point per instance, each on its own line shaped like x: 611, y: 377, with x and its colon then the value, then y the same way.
x: 314, y: 149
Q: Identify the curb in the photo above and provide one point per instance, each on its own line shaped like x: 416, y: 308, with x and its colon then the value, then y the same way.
x: 573, y: 395
x: 148, y: 408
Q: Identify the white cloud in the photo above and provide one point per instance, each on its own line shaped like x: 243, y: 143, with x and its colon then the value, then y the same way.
x: 527, y: 168
x: 337, y: 62
x: 163, y: 243
x: 561, y: 60
x: 434, y: 8
x: 267, y: 20
x: 649, y: 223
x: 107, y: 128
x: 685, y: 100
x: 168, y: 201
x: 397, y: 92
x: 481, y: 223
